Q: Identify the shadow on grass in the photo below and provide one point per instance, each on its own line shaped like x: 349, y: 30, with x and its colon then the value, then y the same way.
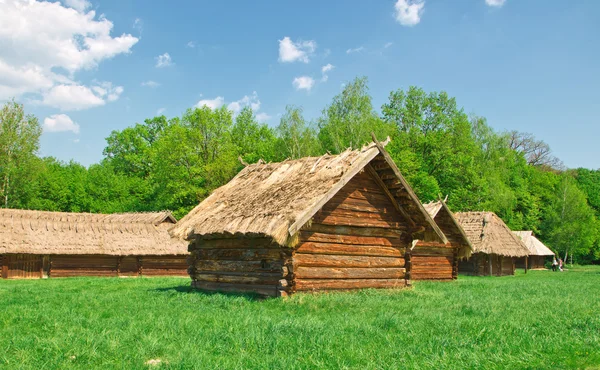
x: 189, y: 290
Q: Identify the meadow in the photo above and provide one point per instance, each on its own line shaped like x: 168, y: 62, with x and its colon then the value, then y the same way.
x: 536, y: 320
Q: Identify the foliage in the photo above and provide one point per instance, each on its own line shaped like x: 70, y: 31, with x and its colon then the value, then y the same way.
x: 474, y: 322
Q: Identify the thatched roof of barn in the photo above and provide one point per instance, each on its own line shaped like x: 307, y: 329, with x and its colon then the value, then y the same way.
x: 42, y: 232
x: 277, y: 199
x: 535, y: 246
x: 490, y: 235
x: 453, y: 230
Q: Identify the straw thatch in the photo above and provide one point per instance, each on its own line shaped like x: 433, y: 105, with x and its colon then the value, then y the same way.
x: 276, y: 199
x: 42, y: 232
x: 450, y: 226
x: 535, y: 246
x: 490, y: 235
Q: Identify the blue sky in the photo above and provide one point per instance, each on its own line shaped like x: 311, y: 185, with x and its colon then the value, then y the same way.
x: 90, y: 67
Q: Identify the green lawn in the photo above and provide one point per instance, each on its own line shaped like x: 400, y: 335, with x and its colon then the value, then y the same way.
x: 538, y: 320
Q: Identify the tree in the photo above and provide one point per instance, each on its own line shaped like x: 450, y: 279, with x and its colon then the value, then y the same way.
x: 536, y: 152
x: 295, y: 138
x: 254, y: 140
x: 19, y: 143
x: 350, y: 119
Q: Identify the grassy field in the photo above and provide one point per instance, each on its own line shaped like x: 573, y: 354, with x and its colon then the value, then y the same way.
x: 538, y: 320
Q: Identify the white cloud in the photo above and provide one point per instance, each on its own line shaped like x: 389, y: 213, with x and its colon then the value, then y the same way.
x: 160, y: 111
x: 387, y: 45
x: 79, y: 97
x: 79, y: 5
x: 408, y: 12
x: 262, y: 117
x: 60, y: 123
x: 163, y: 60
x: 43, y: 45
x: 355, y: 50
x: 247, y: 101
x: 211, y: 103
x: 300, y: 51
x: 138, y: 25
x: 150, y: 83
x: 190, y: 45
x: 303, y: 83
x: 496, y: 3
x: 324, y: 71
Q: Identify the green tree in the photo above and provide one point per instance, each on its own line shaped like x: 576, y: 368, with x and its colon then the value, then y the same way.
x: 19, y: 143
x: 254, y: 140
x: 295, y: 138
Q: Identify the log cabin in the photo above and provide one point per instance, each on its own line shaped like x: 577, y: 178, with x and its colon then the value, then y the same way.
x: 318, y: 223
x: 437, y: 261
x: 538, y: 252
x: 40, y: 244
x: 495, y: 246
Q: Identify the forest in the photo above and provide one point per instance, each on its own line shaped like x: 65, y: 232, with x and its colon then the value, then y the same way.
x: 174, y: 163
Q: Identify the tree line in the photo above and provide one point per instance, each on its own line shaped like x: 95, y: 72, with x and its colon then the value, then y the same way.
x: 174, y: 163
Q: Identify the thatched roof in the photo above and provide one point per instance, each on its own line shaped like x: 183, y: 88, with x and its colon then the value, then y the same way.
x: 535, y: 246
x: 444, y: 217
x: 490, y: 235
x: 42, y: 232
x: 277, y: 199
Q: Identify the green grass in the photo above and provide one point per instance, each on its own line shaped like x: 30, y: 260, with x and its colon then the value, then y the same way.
x: 538, y: 320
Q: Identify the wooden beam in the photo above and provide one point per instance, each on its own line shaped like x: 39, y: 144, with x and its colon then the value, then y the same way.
x: 385, y: 189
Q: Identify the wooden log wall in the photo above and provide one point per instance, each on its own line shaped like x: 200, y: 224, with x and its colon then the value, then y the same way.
x: 357, y: 240
x: 433, y: 262
x: 479, y: 264
x: 19, y: 266
x: 253, y: 265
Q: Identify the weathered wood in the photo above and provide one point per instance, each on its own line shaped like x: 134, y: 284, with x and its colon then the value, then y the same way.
x: 302, y: 272
x: 310, y: 236
x: 324, y: 284
x: 241, y: 254
x: 234, y: 243
x: 349, y: 250
x: 348, y: 220
x: 356, y: 231
x: 239, y: 266
x: 239, y: 279
x: 322, y: 260
x: 267, y: 290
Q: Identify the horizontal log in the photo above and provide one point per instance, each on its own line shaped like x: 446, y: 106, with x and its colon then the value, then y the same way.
x: 235, y: 243
x: 358, y: 205
x: 311, y: 236
x: 358, y: 221
x: 348, y: 273
x: 349, y: 250
x: 325, y: 284
x: 239, y: 266
x: 390, y: 217
x: 247, y: 254
x: 239, y: 279
x: 322, y: 260
x: 266, y: 290
x: 356, y: 231
x: 432, y: 260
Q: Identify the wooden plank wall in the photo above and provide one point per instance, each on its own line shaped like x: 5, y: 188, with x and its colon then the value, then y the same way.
x: 357, y: 240
x: 479, y: 265
x: 35, y: 266
x: 254, y: 265
x: 433, y: 262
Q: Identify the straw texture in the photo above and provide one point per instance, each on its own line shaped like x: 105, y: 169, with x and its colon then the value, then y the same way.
x: 42, y: 232
x: 535, y: 246
x: 490, y: 235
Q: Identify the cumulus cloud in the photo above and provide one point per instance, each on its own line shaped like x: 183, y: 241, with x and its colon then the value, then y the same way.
x: 303, y: 83
x: 138, y: 25
x: 79, y: 97
x: 300, y: 51
x: 211, y: 103
x: 150, y: 83
x: 60, y: 123
x: 163, y: 60
x: 44, y: 44
x: 408, y: 12
x: 325, y: 70
x: 262, y: 117
x: 355, y: 50
x: 496, y: 3
x: 251, y: 101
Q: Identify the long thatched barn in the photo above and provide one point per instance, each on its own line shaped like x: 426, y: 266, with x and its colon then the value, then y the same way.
x: 538, y: 252
x: 495, y: 246
x: 36, y: 244
x: 332, y: 222
x: 438, y: 261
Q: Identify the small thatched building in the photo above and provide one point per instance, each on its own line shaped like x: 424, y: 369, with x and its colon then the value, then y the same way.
x: 37, y: 244
x: 538, y: 252
x: 332, y: 222
x: 495, y: 246
x: 438, y: 261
